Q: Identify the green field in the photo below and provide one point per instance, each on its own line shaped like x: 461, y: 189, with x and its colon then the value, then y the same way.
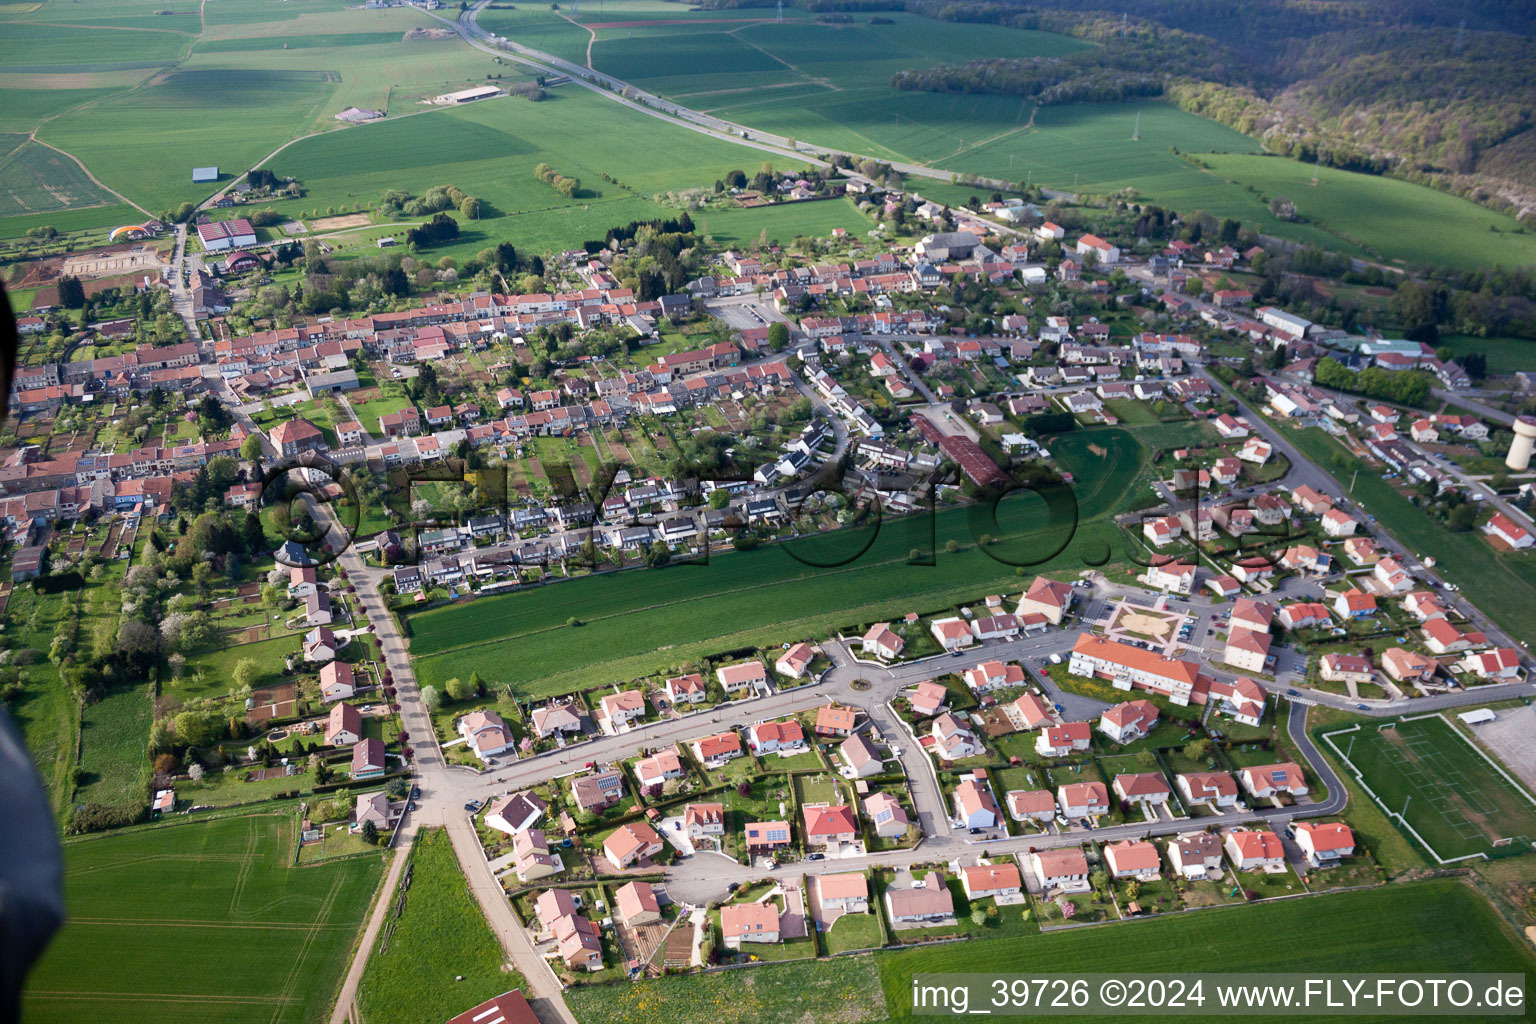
x: 1505, y: 355
x: 1432, y: 778
x: 114, y: 734
x: 1441, y: 926
x: 490, y: 150
x: 36, y: 179
x: 522, y: 639
x: 845, y: 991
x: 1397, y: 219
x: 203, y: 922
x: 440, y: 934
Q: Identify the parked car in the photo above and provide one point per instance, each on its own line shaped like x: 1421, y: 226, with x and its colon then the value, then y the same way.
x: 815, y: 856
x: 1293, y: 693
x: 1362, y: 707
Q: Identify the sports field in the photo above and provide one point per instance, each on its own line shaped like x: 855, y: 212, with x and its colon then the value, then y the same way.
x: 200, y: 922
x: 1428, y: 776
x: 638, y: 622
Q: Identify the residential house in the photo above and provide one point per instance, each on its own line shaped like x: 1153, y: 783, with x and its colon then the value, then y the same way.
x: 776, y: 737
x: 1061, y: 871
x: 766, y: 835
x: 344, y: 727
x: 1051, y: 598
x: 794, y: 662
x: 860, y: 757
x: 1064, y: 739
x: 1129, y: 722
x: 1195, y: 855
x: 622, y: 708
x: 1270, y: 780
x: 928, y: 902
x: 337, y: 681
x: 749, y: 922
x: 485, y: 734
x: 1148, y: 789
x: 882, y: 641
x: 1325, y: 843
x: 829, y: 825
x: 660, y: 768
x: 595, y: 792
x: 889, y: 817
x: 1037, y: 805
x: 953, y: 739
x: 734, y: 678
x: 515, y: 812
x: 688, y: 689
x: 368, y: 759
x: 637, y: 904
x: 974, y: 805
x: 952, y: 633
x: 631, y: 843
x: 846, y: 893
x: 834, y: 720
x: 1408, y: 666
x: 1335, y: 667
x: 1082, y: 799
x: 1218, y: 789
x: 704, y: 820
x: 1258, y: 850
x: 714, y: 751
x: 928, y: 698
x: 1134, y: 858
x: 991, y: 880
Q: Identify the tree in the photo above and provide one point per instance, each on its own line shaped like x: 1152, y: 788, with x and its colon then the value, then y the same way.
x: 1099, y: 879
x: 719, y: 498
x: 195, y: 772
x: 1197, y: 750
x: 137, y: 639
x: 458, y: 689
x: 1462, y: 518
x: 1282, y: 208
x: 246, y: 672
x: 71, y: 292
x: 431, y: 698
x: 370, y: 833
x: 778, y: 335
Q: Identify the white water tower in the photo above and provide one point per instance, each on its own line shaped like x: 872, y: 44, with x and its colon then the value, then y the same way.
x: 1519, y: 456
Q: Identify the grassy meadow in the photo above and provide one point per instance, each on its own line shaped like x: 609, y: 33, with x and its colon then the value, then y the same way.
x: 1441, y: 926
x: 203, y: 921
x: 439, y: 934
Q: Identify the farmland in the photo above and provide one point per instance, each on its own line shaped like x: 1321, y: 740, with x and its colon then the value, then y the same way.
x: 846, y: 990
x: 201, y: 922
x: 37, y: 179
x: 1396, y: 219
x: 438, y: 934
x: 1425, y: 771
x: 1439, y: 925
x: 523, y: 639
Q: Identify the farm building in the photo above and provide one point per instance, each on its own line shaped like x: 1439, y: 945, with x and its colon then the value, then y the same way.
x: 200, y: 174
